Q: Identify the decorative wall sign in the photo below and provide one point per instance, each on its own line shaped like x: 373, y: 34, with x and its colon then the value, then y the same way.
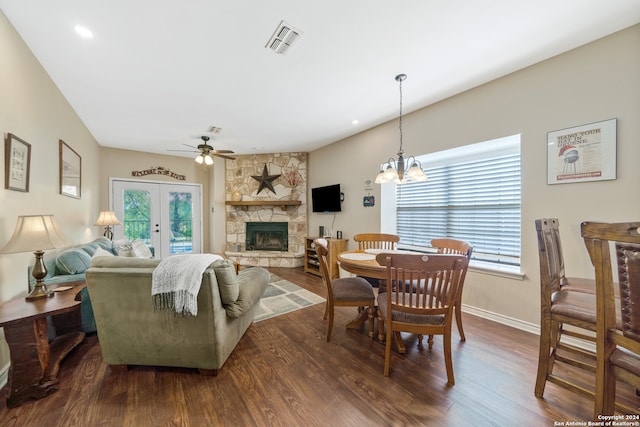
x: 159, y: 170
x: 70, y: 171
x: 582, y: 153
x: 17, y: 161
x: 266, y: 180
x: 368, y: 201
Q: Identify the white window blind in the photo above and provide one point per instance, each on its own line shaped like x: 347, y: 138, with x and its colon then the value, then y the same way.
x: 475, y: 200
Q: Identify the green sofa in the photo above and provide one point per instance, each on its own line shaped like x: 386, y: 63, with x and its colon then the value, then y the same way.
x: 131, y: 332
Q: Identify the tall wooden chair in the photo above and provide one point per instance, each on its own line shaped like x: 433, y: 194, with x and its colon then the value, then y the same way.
x: 457, y: 247
x: 376, y: 241
x: 420, y: 311
x: 617, y: 342
x: 563, y: 301
x: 344, y: 292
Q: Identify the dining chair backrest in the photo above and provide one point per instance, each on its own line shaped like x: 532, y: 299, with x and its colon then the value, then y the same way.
x: 422, y: 284
x: 452, y: 246
x: 376, y: 241
x: 323, y: 253
x: 456, y: 247
x: 613, y: 336
x: 550, y: 254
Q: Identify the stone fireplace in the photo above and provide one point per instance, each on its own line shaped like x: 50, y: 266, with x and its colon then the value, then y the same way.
x: 250, y: 241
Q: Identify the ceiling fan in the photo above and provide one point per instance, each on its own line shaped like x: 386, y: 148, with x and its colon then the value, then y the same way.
x: 205, y: 151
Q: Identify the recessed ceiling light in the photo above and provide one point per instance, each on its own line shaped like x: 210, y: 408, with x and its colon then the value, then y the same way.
x: 83, y: 31
x: 355, y: 122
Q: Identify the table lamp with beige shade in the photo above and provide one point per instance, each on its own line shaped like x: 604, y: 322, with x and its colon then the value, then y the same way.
x: 34, y: 233
x: 107, y: 219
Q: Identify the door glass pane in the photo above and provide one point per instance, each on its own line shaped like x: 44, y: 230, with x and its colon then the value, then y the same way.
x: 180, y: 222
x: 137, y: 213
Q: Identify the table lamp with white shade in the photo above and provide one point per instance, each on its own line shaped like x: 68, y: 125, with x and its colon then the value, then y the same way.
x: 107, y: 219
x: 34, y: 233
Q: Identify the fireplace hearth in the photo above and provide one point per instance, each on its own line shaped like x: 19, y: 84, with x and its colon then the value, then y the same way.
x: 267, y: 236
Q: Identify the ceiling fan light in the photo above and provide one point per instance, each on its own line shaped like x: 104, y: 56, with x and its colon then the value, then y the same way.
x: 208, y: 160
x: 199, y: 159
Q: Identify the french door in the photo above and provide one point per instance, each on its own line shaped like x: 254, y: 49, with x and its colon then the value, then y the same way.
x: 166, y: 216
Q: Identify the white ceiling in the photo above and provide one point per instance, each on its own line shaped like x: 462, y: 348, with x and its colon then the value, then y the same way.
x: 157, y: 74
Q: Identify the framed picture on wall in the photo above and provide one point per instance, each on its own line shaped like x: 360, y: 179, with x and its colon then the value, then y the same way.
x: 70, y: 171
x: 17, y: 163
x: 582, y: 153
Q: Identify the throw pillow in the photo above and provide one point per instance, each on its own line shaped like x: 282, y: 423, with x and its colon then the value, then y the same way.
x: 227, y: 280
x: 101, y: 252
x: 123, y: 247
x: 73, y: 261
x: 140, y: 250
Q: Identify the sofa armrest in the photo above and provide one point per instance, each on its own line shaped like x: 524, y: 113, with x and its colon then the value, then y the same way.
x: 252, y: 282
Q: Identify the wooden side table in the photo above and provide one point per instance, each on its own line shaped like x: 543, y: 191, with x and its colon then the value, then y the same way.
x: 34, y: 361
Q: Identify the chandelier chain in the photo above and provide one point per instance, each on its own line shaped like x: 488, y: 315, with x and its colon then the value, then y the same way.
x: 400, y: 119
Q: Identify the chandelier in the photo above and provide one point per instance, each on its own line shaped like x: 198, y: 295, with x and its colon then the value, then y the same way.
x: 399, y: 170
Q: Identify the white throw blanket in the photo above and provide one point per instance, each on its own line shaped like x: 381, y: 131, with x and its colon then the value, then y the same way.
x: 175, y: 282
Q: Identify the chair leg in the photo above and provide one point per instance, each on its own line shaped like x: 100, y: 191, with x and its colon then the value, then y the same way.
x: 446, y: 343
x: 387, y: 351
x: 326, y: 309
x: 330, y: 325
x: 430, y: 341
x: 458, y: 311
x: 544, y: 356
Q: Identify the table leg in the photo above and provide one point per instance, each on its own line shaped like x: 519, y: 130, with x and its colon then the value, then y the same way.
x: 359, y: 320
x: 34, y: 362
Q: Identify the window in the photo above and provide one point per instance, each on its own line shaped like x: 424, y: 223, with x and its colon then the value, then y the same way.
x: 472, y: 194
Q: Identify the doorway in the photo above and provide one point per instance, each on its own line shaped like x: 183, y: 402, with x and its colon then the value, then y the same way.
x: 166, y: 216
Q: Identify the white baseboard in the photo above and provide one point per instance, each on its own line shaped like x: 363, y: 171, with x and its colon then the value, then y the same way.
x: 502, y: 319
x: 524, y: 326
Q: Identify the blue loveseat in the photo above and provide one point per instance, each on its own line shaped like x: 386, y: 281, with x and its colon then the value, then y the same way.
x: 69, y: 265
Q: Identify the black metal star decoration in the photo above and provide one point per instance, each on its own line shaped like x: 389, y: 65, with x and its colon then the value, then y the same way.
x: 266, y: 180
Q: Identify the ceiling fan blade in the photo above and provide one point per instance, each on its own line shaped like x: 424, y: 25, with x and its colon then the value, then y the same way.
x: 190, y: 146
x: 186, y: 151
x: 223, y: 156
x: 224, y: 151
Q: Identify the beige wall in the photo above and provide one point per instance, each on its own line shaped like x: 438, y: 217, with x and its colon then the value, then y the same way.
x: 33, y: 108
x: 116, y: 163
x: 595, y: 82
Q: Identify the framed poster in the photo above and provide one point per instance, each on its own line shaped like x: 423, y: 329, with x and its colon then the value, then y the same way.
x: 17, y: 163
x: 70, y: 171
x: 582, y: 153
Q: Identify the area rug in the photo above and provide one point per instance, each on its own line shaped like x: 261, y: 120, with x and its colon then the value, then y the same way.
x: 283, y: 297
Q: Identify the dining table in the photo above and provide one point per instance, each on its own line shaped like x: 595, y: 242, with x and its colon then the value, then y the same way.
x: 363, y: 263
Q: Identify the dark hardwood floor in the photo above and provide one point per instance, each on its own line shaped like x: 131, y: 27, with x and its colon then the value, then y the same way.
x: 284, y: 373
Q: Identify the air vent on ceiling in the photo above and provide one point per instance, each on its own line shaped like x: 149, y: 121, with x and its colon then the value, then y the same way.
x: 283, y: 38
x: 214, y: 129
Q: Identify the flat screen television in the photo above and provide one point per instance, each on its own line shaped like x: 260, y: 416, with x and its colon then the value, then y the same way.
x: 326, y: 199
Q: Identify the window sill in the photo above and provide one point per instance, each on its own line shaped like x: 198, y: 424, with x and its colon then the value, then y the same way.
x: 509, y: 272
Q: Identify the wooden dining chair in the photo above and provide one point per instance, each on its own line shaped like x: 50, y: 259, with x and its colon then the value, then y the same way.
x: 457, y: 247
x: 419, y: 311
x: 376, y: 241
x: 618, y: 322
x: 563, y: 301
x: 344, y: 292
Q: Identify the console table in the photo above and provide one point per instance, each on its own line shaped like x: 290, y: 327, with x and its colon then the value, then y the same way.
x: 34, y: 361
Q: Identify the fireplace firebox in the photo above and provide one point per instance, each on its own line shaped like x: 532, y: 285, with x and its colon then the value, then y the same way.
x: 267, y: 236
